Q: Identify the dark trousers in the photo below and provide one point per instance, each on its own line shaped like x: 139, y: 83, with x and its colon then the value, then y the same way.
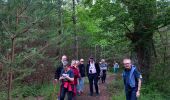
x: 104, y: 76
x: 64, y: 91
x: 93, y: 79
x: 131, y: 94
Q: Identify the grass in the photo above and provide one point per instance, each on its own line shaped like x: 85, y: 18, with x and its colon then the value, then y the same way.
x: 22, y: 92
x: 116, y: 88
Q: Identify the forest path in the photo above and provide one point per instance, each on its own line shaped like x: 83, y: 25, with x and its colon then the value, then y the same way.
x: 103, y: 88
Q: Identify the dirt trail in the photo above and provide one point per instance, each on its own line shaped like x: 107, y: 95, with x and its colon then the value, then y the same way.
x: 104, y: 93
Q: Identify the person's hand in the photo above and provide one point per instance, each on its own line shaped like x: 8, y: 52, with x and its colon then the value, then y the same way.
x: 67, y: 77
x: 62, y: 77
x: 137, y: 93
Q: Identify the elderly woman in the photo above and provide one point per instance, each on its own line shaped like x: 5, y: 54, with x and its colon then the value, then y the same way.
x: 103, y: 69
x: 67, y: 79
x: 74, y: 68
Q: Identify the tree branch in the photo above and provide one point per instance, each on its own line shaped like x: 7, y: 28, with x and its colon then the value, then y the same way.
x: 127, y: 27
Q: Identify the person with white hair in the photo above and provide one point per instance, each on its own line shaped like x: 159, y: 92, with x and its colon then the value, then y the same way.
x: 132, y: 80
x: 59, y: 69
x: 74, y: 68
x: 103, y: 69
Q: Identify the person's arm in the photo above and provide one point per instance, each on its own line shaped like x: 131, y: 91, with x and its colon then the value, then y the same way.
x: 117, y: 65
x: 58, y: 72
x: 84, y: 70
x: 97, y: 69
x: 139, y: 84
x: 139, y: 87
x: 87, y: 69
x: 57, y: 75
x: 61, y: 78
x: 79, y: 68
x: 69, y: 78
x: 139, y: 79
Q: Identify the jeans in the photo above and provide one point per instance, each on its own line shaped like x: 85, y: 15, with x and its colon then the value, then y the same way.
x: 64, y: 91
x: 131, y: 94
x: 103, y: 76
x: 93, y: 79
x: 115, y: 70
x: 81, y: 84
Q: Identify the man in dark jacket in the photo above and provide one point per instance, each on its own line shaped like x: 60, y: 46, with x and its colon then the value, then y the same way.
x: 93, y: 73
x: 59, y: 69
x: 82, y: 75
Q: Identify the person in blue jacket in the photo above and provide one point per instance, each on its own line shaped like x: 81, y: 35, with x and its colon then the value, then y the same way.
x: 132, y: 80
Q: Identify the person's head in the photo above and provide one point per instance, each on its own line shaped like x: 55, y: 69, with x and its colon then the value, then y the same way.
x: 65, y: 64
x: 73, y: 62
x: 81, y: 61
x: 115, y: 61
x: 77, y: 63
x: 127, y: 63
x: 64, y: 58
x: 91, y: 59
x: 102, y: 61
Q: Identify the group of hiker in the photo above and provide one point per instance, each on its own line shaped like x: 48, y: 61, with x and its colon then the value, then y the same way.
x: 72, y: 76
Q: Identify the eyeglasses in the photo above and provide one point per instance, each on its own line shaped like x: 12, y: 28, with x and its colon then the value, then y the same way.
x: 126, y: 63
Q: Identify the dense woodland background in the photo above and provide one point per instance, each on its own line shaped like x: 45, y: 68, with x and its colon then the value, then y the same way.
x: 34, y: 34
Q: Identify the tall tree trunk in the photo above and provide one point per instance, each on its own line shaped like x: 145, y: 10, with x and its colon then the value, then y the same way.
x: 142, y: 14
x: 75, y: 30
x: 59, y: 24
x: 143, y: 50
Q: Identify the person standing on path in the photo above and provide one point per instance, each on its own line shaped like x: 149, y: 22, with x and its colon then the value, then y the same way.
x: 103, y: 69
x: 74, y: 68
x: 93, y: 73
x: 132, y: 80
x: 115, y: 67
x: 67, y: 82
x: 82, y: 75
x: 59, y: 69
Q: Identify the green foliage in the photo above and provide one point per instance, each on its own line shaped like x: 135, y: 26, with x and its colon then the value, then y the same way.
x: 148, y: 92
x: 26, y: 91
x: 101, y: 30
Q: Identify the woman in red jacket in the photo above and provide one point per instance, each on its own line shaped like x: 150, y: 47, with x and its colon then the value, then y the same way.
x: 67, y: 79
x: 74, y: 67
